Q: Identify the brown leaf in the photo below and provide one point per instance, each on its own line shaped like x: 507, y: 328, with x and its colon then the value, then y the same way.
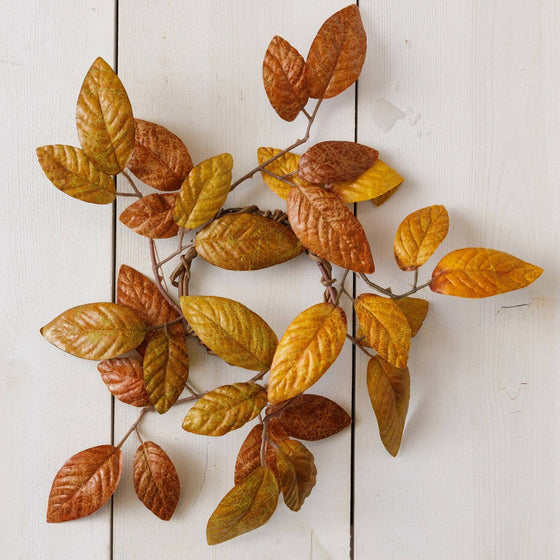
x: 104, y: 119
x: 124, y: 377
x: 247, y: 242
x: 160, y: 159
x: 152, y: 216
x: 337, y: 54
x: 155, y: 479
x: 247, y: 506
x: 389, y: 392
x: 328, y: 228
x: 283, y: 78
x: 419, y: 235
x: 70, y: 170
x: 476, y: 272
x: 84, y: 483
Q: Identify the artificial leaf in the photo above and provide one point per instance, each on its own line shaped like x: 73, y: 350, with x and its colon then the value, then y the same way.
x: 70, y: 170
x: 389, y: 392
x: 247, y: 506
x: 310, y: 345
x: 155, y: 479
x: 152, y: 216
x: 381, y: 199
x: 124, y: 377
x: 104, y: 119
x: 475, y: 272
x: 296, y: 472
x: 328, y: 228
x: 204, y: 191
x: 385, y: 327
x: 415, y: 311
x: 84, y: 483
x: 96, y: 331
x: 225, y: 409
x: 166, y: 368
x: 370, y: 185
x: 160, y: 159
x: 283, y: 77
x: 247, y: 242
x: 337, y: 54
x: 335, y: 161
x: 232, y: 331
x: 419, y: 235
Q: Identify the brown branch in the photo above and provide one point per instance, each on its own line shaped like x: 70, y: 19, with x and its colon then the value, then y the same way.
x: 132, y: 184
x: 157, y: 279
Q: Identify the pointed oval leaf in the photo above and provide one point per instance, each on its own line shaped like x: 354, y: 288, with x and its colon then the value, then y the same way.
x: 160, y: 159
x: 328, y: 228
x: 247, y: 242
x: 156, y: 481
x: 247, y: 506
x: 84, y: 483
x: 104, y: 119
x: 389, y: 393
x: 385, y: 327
x: 204, y: 191
x: 475, y: 272
x: 232, y: 331
x: 124, y: 377
x: 70, y: 170
x: 310, y: 345
x: 96, y: 331
x: 152, y: 216
x: 419, y: 235
x: 337, y: 54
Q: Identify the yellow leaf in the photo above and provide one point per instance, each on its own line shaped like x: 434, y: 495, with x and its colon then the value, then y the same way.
x: 310, y: 345
x: 204, y: 191
x: 379, y: 200
x: 415, y: 311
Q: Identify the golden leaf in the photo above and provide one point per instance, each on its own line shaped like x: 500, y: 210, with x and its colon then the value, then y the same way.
x: 389, y: 392
x: 379, y: 200
x: 475, y: 272
x: 70, y: 170
x: 232, y: 331
x: 152, y: 216
x: 96, y: 331
x: 247, y: 242
x: 328, y: 228
x: 385, y: 327
x: 225, y: 409
x: 247, y: 506
x: 310, y: 345
x: 419, y: 235
x: 415, y: 311
x: 124, y: 377
x: 104, y: 119
x: 204, y: 191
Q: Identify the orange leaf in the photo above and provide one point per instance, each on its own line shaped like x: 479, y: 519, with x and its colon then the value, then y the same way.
x: 337, y: 54
x: 84, y: 483
x: 328, y: 228
x: 124, y: 377
x: 152, y: 216
x: 477, y: 273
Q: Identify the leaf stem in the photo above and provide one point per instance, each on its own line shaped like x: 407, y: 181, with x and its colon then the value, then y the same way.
x: 119, y: 193
x: 257, y: 377
x: 157, y: 278
x: 165, y: 325
x: 133, y: 427
x: 132, y: 184
x: 174, y: 254
x: 389, y: 293
x: 356, y: 342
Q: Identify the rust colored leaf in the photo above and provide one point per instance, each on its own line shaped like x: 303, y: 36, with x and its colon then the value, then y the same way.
x: 328, y: 228
x: 247, y: 506
x: 70, y: 170
x: 337, y: 54
x: 124, y: 377
x: 204, y: 191
x: 379, y: 200
x: 476, y: 272
x: 310, y: 345
x: 96, y: 331
x: 160, y: 159
x: 389, y: 392
x: 415, y: 311
x: 152, y: 216
x: 84, y: 483
x: 283, y: 77
x: 419, y: 235
x: 225, y: 409
x: 247, y: 242
x: 385, y: 327
x: 155, y: 479
x: 232, y: 331
x: 104, y: 119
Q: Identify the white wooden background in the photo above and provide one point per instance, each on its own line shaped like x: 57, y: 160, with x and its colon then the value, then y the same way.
x: 462, y: 98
